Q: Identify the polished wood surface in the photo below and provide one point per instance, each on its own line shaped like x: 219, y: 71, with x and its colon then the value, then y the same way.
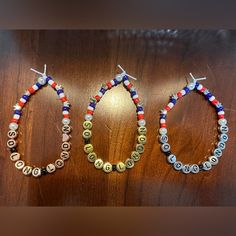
x: 81, y: 61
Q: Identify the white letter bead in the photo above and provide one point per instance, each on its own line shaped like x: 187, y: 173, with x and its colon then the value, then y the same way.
x: 12, y: 134
x: 223, y: 137
x: 36, y: 172
x: 217, y: 152
x: 27, y: 170
x: 213, y: 160
x: 15, y: 156
x: 224, y: 129
x: 178, y: 165
x: 206, y: 165
x: 13, y: 126
x: 65, y: 155
x: 98, y: 163
x: 59, y: 163
x: 222, y: 121
x: 163, y: 131
x: 186, y: 169
x: 165, y: 147
x: 20, y: 164
x: 171, y: 159
x: 65, y: 146
x: 107, y: 167
x: 11, y: 143
x: 195, y: 169
x: 66, y: 129
x: 163, y: 138
x: 221, y: 145
x: 65, y: 121
x: 50, y: 168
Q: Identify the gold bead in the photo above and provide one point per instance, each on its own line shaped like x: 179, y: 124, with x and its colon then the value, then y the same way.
x: 107, y: 167
x: 135, y: 156
x: 88, y: 148
x: 87, y: 134
x: 129, y: 163
x: 98, y: 163
x: 140, y: 148
x: 120, y: 166
x: 92, y: 157
x: 87, y: 124
x: 142, y: 130
x: 142, y: 139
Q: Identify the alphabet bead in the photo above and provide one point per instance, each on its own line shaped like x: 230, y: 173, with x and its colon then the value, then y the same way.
x: 98, y: 163
x: 186, y: 169
x: 195, y: 169
x: 206, y: 165
x: 20, y: 164
x: 178, y: 165
x: 171, y: 158
x: 87, y: 134
x: 140, y: 148
x: 65, y: 146
x: 59, y: 163
x: 92, y: 157
x: 12, y: 134
x: 65, y: 155
x: 217, y: 152
x: 50, y: 168
x: 66, y: 129
x: 129, y: 163
x: 213, y: 160
x: 165, y: 147
x: 36, y: 172
x: 224, y: 129
x: 107, y: 167
x: 27, y: 170
x: 88, y: 148
x: 163, y: 138
x: 87, y: 124
x: 11, y: 143
x: 135, y: 156
x: 142, y: 130
x: 65, y: 137
x: 15, y: 156
x: 120, y: 166
x: 221, y: 145
x: 142, y: 139
x: 223, y: 137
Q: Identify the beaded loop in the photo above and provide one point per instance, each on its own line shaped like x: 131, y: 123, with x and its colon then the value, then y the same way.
x: 66, y: 129
x: 87, y: 125
x: 222, y: 128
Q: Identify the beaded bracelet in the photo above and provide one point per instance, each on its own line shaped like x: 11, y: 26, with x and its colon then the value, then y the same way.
x: 87, y: 125
x: 222, y: 137
x: 66, y: 129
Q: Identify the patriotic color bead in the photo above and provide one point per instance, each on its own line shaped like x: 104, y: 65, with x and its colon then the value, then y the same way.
x: 13, y: 126
x: 87, y: 125
x: 223, y: 130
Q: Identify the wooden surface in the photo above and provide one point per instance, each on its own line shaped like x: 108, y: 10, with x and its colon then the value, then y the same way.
x: 81, y: 61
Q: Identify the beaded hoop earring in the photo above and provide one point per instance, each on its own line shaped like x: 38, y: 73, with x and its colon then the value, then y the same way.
x: 87, y: 125
x: 222, y: 137
x: 66, y: 129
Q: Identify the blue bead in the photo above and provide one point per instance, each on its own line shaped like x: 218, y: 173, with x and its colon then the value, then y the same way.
x: 125, y: 77
x: 116, y: 81
x: 17, y: 112
x: 173, y: 100
x: 60, y: 91
x: 102, y: 90
x: 92, y: 104
x: 38, y: 85
x: 26, y: 97
x: 196, y: 84
x: 65, y: 108
x: 163, y: 116
x: 133, y: 93
x: 48, y: 78
x: 219, y: 109
x: 139, y: 109
x: 186, y: 89
x: 208, y: 95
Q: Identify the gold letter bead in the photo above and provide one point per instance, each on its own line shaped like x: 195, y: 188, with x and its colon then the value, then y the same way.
x: 129, y: 163
x: 88, y: 148
x: 142, y: 139
x: 135, y: 156
x: 98, y: 163
x: 107, y: 167
x: 140, y: 148
x: 120, y: 166
x: 92, y: 157
x: 87, y: 134
x: 87, y: 124
x: 142, y: 130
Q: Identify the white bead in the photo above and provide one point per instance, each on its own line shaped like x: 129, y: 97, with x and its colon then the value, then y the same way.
x: 107, y: 167
x: 88, y: 117
x: 36, y: 172
x: 50, y: 168
x: 171, y: 159
x: 162, y: 131
x: 27, y: 170
x: 66, y: 104
x: 165, y: 147
x: 112, y: 82
x: 163, y: 138
x: 23, y: 100
x: 191, y: 86
x: 221, y: 113
x: 98, y: 163
x: 65, y: 146
x: 50, y: 82
x: 178, y: 165
x: 223, y: 137
x: 13, y: 126
x: 61, y: 95
x: 135, y: 96
x: 65, y: 121
x: 58, y: 87
x: 221, y: 145
x: 217, y: 152
x: 142, y: 122
x: 16, y: 116
x: 35, y: 87
x: 163, y: 111
x: 65, y: 112
x: 11, y: 143
x: 12, y: 134
x: 224, y: 129
x: 17, y: 107
x: 195, y: 169
x: 170, y: 105
x: 100, y: 94
x: 15, y: 156
x: 126, y: 82
x: 199, y: 87
x: 27, y: 93
x: 90, y: 108
x: 20, y: 164
x: 59, y: 163
x: 183, y: 92
x: 65, y: 155
x: 222, y: 121
x: 206, y: 165
x: 41, y: 80
x: 141, y: 112
x: 213, y: 160
x: 186, y: 169
x: 162, y: 121
x: 119, y: 77
x: 211, y: 98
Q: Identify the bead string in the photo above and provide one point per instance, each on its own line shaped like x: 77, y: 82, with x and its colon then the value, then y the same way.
x: 87, y: 125
x: 66, y: 129
x: 222, y: 123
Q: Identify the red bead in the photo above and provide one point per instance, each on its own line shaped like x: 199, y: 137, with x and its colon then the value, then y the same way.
x: 167, y: 108
x: 97, y: 97
x: 179, y: 94
x: 163, y: 125
x: 129, y: 86
x: 66, y: 116
x: 109, y: 85
x: 136, y: 100
x: 90, y: 112
x: 221, y: 116
x: 21, y: 104
x: 31, y: 90
x: 14, y: 120
x: 214, y: 101
x: 63, y: 99
x: 140, y: 116
x: 54, y: 85
x: 203, y: 89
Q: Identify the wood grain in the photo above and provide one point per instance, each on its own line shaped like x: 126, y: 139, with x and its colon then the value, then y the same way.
x: 81, y: 61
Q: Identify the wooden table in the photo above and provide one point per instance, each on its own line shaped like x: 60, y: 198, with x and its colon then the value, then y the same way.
x: 81, y: 61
